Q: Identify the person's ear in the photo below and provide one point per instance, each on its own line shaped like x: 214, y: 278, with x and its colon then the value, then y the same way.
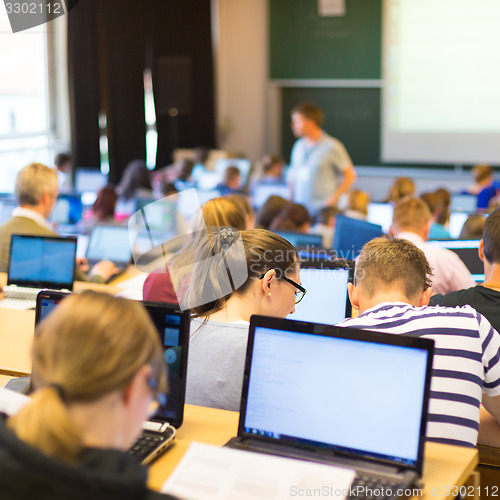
x: 135, y: 388
x: 480, y: 250
x: 353, y: 295
x: 425, y: 297
x: 267, y: 281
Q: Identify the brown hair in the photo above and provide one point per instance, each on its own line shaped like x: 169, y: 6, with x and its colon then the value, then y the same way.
x: 263, y: 250
x: 410, y: 214
x: 358, y: 200
x: 473, y: 228
x: 292, y: 217
x: 491, y: 237
x: 402, y: 186
x: 105, y: 203
x: 310, y: 111
x: 231, y: 173
x: 481, y: 172
x: 92, y: 345
x: 388, y: 262
x: 271, y: 208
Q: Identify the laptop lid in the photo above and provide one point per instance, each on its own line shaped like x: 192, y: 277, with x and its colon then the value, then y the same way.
x: 326, y: 300
x: 42, y: 261
x: 381, y: 214
x: 67, y: 210
x: 302, y: 240
x: 114, y: 243
x: 351, y: 234
x: 348, y: 392
x: 467, y: 250
x: 172, y: 325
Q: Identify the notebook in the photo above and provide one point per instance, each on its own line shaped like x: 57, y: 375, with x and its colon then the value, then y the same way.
x: 351, y: 234
x: 341, y: 396
x: 173, y: 328
x: 326, y: 300
x: 35, y: 263
x: 114, y: 243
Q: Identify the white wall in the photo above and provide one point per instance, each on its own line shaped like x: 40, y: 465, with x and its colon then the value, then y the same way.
x: 240, y: 46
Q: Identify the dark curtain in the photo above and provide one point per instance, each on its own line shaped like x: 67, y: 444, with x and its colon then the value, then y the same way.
x: 110, y: 43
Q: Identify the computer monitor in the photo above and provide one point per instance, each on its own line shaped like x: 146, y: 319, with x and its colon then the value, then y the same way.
x: 351, y: 234
x: 89, y: 179
x: 302, y: 240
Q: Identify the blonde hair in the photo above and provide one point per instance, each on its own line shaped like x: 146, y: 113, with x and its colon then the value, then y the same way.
x: 403, y: 186
x: 359, y: 200
x: 223, y: 211
x: 90, y: 346
x: 33, y: 181
x: 411, y: 214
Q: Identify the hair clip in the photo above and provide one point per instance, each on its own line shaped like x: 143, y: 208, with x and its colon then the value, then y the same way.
x: 226, y: 236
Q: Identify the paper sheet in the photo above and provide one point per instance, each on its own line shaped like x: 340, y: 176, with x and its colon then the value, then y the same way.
x: 208, y: 472
x: 11, y: 402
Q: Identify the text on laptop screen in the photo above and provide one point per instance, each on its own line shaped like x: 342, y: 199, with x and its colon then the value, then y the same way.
x: 326, y: 297
x: 344, y: 393
x: 110, y: 243
x: 42, y: 260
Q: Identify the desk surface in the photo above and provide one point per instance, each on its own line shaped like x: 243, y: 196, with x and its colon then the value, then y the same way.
x: 445, y: 466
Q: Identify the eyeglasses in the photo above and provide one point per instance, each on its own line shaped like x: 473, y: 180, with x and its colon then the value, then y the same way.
x: 299, y: 293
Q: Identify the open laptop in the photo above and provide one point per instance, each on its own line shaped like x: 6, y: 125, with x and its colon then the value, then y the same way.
x: 35, y: 263
x: 67, y: 212
x: 173, y: 328
x: 326, y: 300
x: 351, y: 234
x: 302, y: 240
x: 467, y: 250
x: 114, y: 243
x: 341, y: 396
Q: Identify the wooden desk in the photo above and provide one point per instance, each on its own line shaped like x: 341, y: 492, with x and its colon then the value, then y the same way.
x: 16, y: 332
x: 445, y: 466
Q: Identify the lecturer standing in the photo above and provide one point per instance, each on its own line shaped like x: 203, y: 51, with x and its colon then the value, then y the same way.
x: 321, y: 170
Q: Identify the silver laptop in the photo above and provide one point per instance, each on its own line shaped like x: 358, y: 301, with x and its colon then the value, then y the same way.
x: 114, y: 243
x: 340, y: 396
x: 36, y: 263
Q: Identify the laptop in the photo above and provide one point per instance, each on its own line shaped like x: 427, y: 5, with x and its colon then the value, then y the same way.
x: 467, y: 250
x: 302, y: 240
x: 173, y: 328
x: 114, y: 243
x: 326, y: 300
x: 35, y: 263
x: 351, y: 234
x: 67, y: 212
x: 381, y: 214
x: 336, y: 395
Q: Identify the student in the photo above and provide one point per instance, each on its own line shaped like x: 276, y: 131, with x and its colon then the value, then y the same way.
x: 411, y: 221
x: 485, y: 187
x: 231, y: 183
x: 36, y: 193
x: 102, y: 211
x: 437, y: 203
x: 485, y: 297
x: 325, y: 225
x: 268, y: 171
x: 97, y: 368
x: 64, y: 164
x: 391, y: 289
x: 473, y: 227
x: 218, y: 212
x: 219, y: 332
x: 267, y: 212
x: 402, y: 187
x: 293, y: 217
x: 357, y: 204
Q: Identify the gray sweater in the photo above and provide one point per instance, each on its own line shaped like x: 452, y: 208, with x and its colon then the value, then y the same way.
x: 216, y: 363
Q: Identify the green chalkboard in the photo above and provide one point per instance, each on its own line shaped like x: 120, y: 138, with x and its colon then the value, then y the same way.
x: 351, y: 115
x: 304, y: 44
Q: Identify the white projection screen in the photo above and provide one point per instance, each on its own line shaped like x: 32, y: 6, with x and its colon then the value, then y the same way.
x: 441, y: 74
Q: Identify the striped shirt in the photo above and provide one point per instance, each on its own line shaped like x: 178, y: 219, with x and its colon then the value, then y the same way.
x: 466, y: 362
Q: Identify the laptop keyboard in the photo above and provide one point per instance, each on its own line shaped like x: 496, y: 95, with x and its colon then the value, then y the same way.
x: 148, y: 445
x: 365, y: 487
x: 21, y: 294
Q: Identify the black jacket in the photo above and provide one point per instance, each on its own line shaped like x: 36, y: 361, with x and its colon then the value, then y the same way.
x: 25, y: 473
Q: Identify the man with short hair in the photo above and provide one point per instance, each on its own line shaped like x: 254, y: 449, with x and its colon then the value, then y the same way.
x: 36, y: 193
x: 317, y: 161
x: 411, y: 220
x: 391, y: 289
x: 485, y: 297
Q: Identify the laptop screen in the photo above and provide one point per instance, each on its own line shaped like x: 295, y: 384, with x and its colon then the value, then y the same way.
x: 326, y: 300
x: 173, y: 328
x: 112, y: 243
x: 42, y: 261
x: 351, y: 234
x: 302, y: 239
x: 335, y: 388
x: 67, y: 210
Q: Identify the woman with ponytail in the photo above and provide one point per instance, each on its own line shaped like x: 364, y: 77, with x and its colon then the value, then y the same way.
x: 237, y: 274
x: 97, y: 368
